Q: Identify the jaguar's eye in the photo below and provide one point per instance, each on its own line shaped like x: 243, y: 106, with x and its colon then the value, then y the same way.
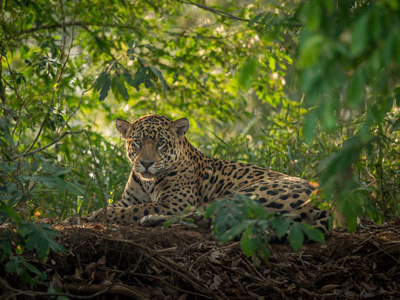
x: 137, y: 143
x: 160, y: 144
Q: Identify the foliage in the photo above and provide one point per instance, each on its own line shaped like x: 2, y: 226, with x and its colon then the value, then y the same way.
x: 245, y: 218
x: 19, y: 266
x: 348, y: 66
x: 348, y: 56
x: 27, y: 236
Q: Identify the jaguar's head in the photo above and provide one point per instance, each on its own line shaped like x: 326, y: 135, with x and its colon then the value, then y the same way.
x: 153, y: 143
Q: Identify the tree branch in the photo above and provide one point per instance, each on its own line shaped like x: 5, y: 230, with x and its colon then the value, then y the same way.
x: 60, y: 73
x: 48, y: 145
x: 72, y: 23
x: 97, y: 289
x: 215, y: 11
x: 86, y: 24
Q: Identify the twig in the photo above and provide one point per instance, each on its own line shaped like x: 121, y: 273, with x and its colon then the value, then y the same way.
x: 209, y: 252
x: 172, y: 266
x: 193, y: 280
x: 48, y: 145
x: 261, y: 278
x: 72, y: 23
x: 60, y: 73
x: 169, y: 284
x: 99, y: 289
x: 215, y: 11
x: 99, y: 182
x: 76, y: 108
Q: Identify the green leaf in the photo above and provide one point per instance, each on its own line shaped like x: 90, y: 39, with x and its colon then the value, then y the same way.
x: 312, y: 14
x: 329, y: 118
x: 247, y: 73
x: 396, y: 125
x: 170, y: 221
x: 73, y: 188
x: 309, y: 127
x: 211, y: 209
x: 359, y: 34
x: 272, y: 63
x: 296, y: 236
x: 10, y: 212
x: 99, y: 82
x: 397, y: 95
x: 247, y: 242
x: 40, y: 236
x: 255, y: 20
x: 139, y: 78
x: 119, y: 84
x: 281, y: 226
x: 311, y: 50
x: 54, y: 51
x: 159, y: 75
x: 32, y: 269
x: 79, y: 202
x: 233, y: 232
x: 346, y: 208
x: 15, y: 265
x: 5, y: 247
x: 396, y: 48
x: 313, y: 233
x: 356, y: 89
x: 104, y: 85
x: 128, y: 78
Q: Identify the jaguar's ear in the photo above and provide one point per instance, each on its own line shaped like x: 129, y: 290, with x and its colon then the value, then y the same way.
x: 122, y: 127
x: 180, y: 126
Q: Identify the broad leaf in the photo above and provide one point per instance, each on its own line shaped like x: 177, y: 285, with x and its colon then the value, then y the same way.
x: 296, y: 236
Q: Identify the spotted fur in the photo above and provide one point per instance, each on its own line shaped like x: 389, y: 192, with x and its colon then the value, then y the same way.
x: 168, y: 174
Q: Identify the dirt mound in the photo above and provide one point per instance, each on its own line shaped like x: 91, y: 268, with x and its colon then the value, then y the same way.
x: 185, y: 263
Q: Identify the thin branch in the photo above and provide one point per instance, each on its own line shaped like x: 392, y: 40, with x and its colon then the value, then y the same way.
x: 76, y: 108
x: 13, y: 80
x: 98, y: 289
x: 73, y: 23
x: 61, y: 72
x: 87, y: 24
x: 215, y: 11
x: 99, y: 182
x: 48, y: 145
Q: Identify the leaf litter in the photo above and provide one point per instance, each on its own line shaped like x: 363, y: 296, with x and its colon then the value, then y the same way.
x: 178, y: 262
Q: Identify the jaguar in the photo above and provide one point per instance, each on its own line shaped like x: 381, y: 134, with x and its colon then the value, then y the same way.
x: 169, y: 175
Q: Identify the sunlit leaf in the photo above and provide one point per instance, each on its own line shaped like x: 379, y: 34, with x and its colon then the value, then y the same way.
x: 247, y: 73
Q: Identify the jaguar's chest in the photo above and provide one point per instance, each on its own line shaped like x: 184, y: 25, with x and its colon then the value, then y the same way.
x: 149, y: 187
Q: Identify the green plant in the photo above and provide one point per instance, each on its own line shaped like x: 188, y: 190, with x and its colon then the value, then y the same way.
x: 36, y: 237
x: 245, y: 218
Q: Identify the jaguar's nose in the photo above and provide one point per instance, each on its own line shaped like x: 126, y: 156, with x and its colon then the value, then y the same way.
x: 147, y: 164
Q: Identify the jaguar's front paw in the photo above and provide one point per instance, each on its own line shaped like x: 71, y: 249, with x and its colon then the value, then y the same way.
x: 97, y: 216
x: 153, y: 220
x: 72, y: 221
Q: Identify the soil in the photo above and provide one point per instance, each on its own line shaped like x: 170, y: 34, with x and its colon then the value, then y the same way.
x: 117, y: 262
